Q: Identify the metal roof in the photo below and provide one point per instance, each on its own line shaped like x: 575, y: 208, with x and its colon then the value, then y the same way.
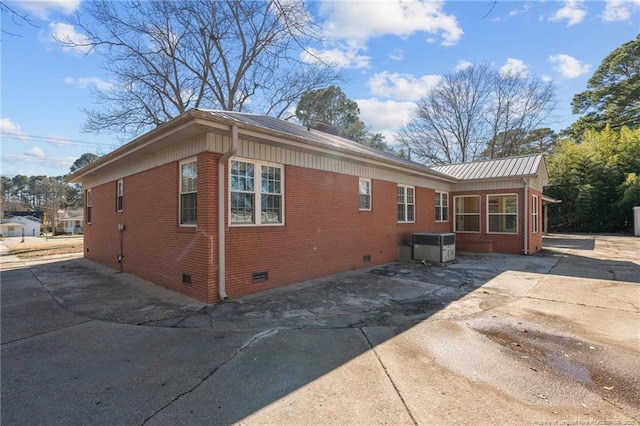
x: 264, y: 128
x: 523, y: 166
x: 332, y: 142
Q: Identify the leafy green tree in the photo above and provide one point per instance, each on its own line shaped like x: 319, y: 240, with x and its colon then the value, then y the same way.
x: 613, y: 92
x: 597, y: 181
x: 84, y: 160
x: 331, y: 107
x: 331, y: 111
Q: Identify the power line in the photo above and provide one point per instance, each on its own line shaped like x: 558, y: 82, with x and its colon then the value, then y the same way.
x: 52, y: 140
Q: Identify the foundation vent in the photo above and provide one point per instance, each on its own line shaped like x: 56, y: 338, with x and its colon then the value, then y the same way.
x: 258, y: 277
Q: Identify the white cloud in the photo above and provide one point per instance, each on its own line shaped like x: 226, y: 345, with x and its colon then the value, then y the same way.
x: 525, y: 9
x: 573, y: 11
x: 84, y: 82
x: 568, y: 66
x: 619, y: 10
x: 70, y: 40
x: 11, y: 129
x: 42, y: 8
x: 34, y: 152
x: 463, y: 65
x: 514, y: 67
x: 350, y: 24
x: 546, y: 78
x: 353, y: 20
x: 402, y: 86
x: 385, y: 116
x: 346, y: 57
x: 397, y: 55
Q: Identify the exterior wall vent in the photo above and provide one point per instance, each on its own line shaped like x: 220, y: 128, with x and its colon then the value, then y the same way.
x: 258, y: 277
x: 366, y: 258
x: 186, y: 279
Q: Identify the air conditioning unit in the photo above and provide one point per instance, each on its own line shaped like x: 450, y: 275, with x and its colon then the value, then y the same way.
x: 434, y: 247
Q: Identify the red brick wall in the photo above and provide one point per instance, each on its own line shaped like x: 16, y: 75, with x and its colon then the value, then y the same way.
x: 154, y: 246
x: 324, y: 231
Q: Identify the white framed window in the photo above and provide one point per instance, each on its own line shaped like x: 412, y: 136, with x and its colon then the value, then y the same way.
x: 442, y: 206
x: 256, y: 193
x: 534, y: 214
x: 406, y: 204
x: 364, y: 194
x: 189, y: 192
x: 467, y: 213
x: 87, y: 197
x: 119, y: 195
x: 502, y: 214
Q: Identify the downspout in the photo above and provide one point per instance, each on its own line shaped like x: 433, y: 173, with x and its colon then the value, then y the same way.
x: 526, y: 216
x: 222, y: 293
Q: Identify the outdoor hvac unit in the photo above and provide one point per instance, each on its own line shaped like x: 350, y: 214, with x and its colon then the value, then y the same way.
x: 434, y: 247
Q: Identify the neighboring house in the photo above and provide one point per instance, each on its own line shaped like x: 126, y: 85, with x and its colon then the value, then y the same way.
x: 221, y: 204
x: 70, y: 222
x: 13, y: 226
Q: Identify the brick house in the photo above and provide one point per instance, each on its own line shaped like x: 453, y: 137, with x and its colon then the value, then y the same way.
x: 220, y: 204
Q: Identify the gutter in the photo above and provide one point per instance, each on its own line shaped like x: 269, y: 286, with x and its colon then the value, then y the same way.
x: 222, y: 293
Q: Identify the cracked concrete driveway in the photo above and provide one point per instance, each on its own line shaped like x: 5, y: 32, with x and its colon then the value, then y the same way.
x: 546, y: 339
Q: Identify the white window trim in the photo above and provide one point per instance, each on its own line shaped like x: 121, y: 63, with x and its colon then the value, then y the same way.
x: 258, y: 199
x: 535, y: 217
x: 88, y: 205
x: 369, y: 194
x: 406, y: 204
x: 180, y: 164
x: 517, y: 213
x: 455, y: 214
x: 120, y: 194
x: 439, y: 194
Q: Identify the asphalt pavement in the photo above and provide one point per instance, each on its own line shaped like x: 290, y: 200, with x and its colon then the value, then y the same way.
x: 553, y: 337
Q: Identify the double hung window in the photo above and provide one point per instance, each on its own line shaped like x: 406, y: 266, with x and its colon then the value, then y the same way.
x: 442, y: 207
x: 406, y: 204
x: 119, y: 195
x: 364, y: 193
x: 87, y: 195
x: 256, y: 193
x: 189, y: 193
x: 534, y: 214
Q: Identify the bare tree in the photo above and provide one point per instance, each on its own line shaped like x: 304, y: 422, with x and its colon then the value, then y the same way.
x: 169, y: 56
x: 446, y: 125
x: 18, y: 19
x: 474, y: 113
x: 520, y: 104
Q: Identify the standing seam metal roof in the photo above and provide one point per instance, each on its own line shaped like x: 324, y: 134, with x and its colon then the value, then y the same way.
x: 526, y: 165
x: 319, y: 137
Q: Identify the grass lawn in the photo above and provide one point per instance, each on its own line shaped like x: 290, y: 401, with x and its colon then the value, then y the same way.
x: 46, y: 248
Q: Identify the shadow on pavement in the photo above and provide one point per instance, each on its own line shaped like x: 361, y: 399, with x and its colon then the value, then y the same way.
x: 269, y: 345
x: 291, y: 336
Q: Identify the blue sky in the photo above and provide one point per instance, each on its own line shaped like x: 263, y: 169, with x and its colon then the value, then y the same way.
x: 394, y: 52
